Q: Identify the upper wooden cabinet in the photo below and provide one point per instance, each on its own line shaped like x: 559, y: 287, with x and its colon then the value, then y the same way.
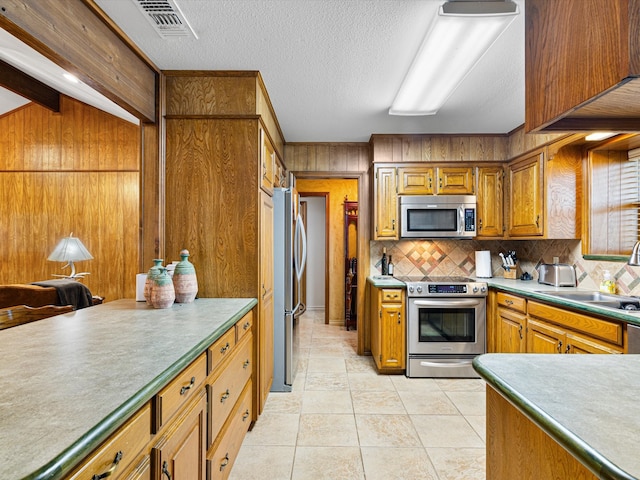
x: 490, y: 193
x: 526, y: 193
x: 544, y: 194
x: 385, y: 207
x: 418, y: 180
x: 267, y: 163
x: 455, y: 181
x: 582, y: 63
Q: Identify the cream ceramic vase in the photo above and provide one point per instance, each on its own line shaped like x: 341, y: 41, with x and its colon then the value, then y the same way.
x: 153, y: 271
x: 185, y: 281
x: 162, y: 293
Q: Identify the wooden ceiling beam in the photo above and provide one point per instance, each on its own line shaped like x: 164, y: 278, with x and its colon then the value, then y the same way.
x: 19, y: 82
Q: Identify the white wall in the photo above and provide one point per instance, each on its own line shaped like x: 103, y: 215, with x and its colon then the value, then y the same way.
x: 315, y: 252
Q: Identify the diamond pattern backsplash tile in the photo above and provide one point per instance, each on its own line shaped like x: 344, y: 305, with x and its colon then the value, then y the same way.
x: 457, y: 258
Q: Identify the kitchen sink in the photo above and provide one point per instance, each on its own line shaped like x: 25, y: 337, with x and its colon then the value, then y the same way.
x: 586, y: 296
x: 608, y: 300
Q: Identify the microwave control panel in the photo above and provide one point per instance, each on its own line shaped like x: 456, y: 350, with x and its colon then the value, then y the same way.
x: 469, y: 220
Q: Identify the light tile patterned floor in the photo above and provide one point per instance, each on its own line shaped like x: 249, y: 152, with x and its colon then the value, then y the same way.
x: 343, y: 421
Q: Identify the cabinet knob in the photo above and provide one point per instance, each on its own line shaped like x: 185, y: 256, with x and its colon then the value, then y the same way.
x: 224, y: 462
x: 224, y: 349
x: 165, y: 470
x: 224, y: 396
x: 184, y: 389
x: 560, y: 346
x: 109, y: 472
x: 520, y: 331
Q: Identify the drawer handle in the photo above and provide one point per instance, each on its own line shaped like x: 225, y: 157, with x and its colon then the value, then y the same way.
x: 224, y: 349
x: 224, y: 462
x: 560, y: 346
x: 520, y: 331
x: 509, y: 302
x: 245, y: 364
x: 109, y: 472
x: 246, y: 325
x: 224, y: 396
x: 183, y: 390
x: 165, y: 469
x: 245, y: 415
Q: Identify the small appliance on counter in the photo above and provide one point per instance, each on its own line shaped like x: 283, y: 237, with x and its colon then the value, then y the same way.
x: 557, y: 275
x: 483, y: 264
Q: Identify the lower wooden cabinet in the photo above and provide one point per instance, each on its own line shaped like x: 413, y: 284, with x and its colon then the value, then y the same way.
x: 180, y: 450
x: 523, y: 325
x: 192, y: 429
x: 121, y: 450
x: 388, y: 329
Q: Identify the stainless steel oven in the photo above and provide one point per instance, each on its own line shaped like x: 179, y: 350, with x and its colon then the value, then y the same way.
x: 446, y: 326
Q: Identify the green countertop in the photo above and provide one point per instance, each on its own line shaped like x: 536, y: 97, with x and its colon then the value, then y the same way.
x: 534, y: 290
x: 586, y: 403
x: 68, y: 382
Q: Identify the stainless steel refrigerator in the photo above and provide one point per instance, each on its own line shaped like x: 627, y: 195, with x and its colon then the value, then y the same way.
x: 289, y: 257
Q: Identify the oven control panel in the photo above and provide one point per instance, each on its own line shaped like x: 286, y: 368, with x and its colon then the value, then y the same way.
x: 452, y: 289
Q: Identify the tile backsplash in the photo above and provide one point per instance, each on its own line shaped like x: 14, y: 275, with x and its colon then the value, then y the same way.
x: 457, y: 258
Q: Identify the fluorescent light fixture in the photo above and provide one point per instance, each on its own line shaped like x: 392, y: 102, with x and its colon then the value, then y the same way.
x: 71, y: 78
x: 596, y: 136
x: 458, y: 37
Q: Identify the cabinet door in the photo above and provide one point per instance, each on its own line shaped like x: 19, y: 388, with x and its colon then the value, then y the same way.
x: 386, y: 205
x: 415, y: 180
x: 267, y: 163
x: 511, y: 334
x: 526, y: 196
x: 180, y: 452
x: 543, y: 337
x: 392, y: 336
x: 265, y: 301
x: 579, y: 344
x: 455, y: 181
x: 490, y: 202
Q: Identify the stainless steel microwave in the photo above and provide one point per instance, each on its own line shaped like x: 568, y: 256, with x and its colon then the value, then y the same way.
x: 437, y: 216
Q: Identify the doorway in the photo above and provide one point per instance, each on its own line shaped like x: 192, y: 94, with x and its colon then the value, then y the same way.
x: 334, y: 191
x: 314, y: 285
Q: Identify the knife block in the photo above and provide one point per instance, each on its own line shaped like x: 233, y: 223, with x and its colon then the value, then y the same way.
x: 513, y: 273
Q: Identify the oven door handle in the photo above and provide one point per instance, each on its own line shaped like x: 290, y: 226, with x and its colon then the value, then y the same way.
x: 448, y: 364
x: 448, y: 302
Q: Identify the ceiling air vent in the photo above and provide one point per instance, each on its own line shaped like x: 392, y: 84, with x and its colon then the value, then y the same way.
x: 166, y: 18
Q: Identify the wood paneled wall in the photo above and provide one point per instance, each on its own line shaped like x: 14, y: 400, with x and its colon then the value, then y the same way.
x: 327, y: 157
x: 212, y: 202
x: 77, y: 171
x: 520, y: 143
x: 439, y: 148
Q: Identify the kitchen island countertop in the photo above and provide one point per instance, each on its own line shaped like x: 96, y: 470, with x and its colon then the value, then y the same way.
x: 67, y: 382
x: 586, y: 403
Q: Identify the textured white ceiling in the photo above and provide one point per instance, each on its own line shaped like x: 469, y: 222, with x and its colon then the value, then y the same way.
x: 333, y: 67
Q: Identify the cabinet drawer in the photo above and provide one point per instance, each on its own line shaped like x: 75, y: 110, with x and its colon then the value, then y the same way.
x: 120, y: 450
x: 227, y: 387
x: 391, y: 295
x: 221, y: 349
x: 220, y: 459
x: 243, y: 326
x: 513, y: 302
x: 605, y: 330
x: 180, y: 390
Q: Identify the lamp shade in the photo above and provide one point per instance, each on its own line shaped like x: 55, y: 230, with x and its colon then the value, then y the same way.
x: 457, y: 38
x: 70, y: 249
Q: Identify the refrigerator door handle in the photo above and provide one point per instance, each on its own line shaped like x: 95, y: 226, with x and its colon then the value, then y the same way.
x: 300, y: 259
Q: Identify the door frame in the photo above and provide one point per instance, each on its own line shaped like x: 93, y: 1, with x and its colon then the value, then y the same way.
x: 326, y: 247
x: 364, y: 237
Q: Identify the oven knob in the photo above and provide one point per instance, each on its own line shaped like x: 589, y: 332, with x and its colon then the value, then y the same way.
x: 475, y: 289
x: 483, y: 289
x: 419, y: 289
x: 410, y: 289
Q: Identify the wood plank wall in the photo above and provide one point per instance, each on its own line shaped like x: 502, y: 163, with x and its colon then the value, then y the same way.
x: 77, y: 171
